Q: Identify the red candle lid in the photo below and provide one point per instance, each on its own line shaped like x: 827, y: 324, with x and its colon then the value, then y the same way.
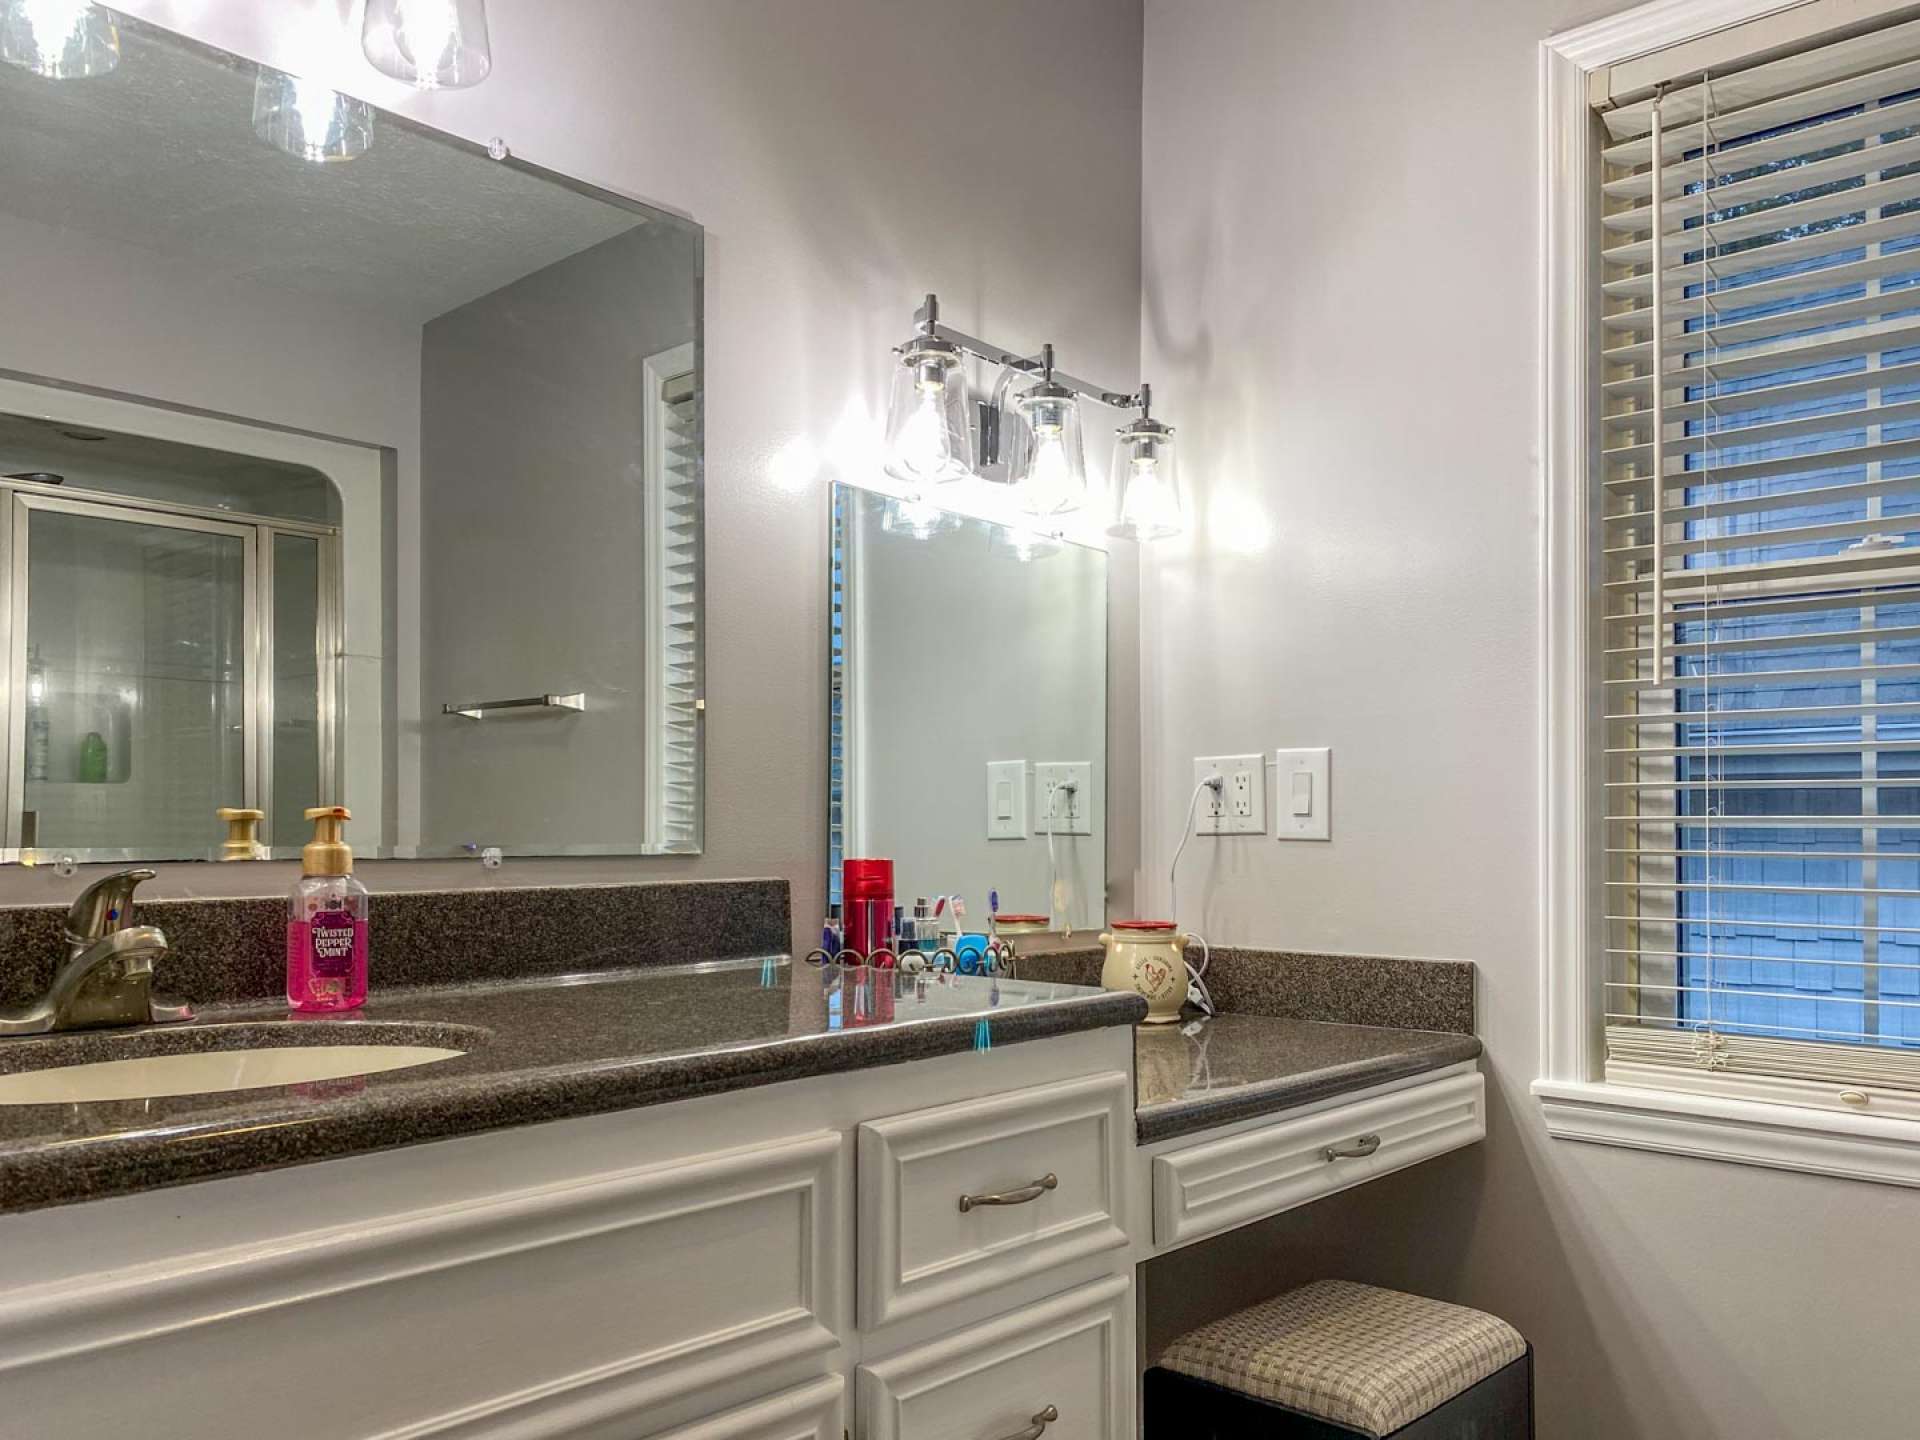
x: 1143, y: 924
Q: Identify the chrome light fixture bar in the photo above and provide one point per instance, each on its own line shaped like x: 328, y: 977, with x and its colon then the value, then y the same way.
x: 1041, y: 451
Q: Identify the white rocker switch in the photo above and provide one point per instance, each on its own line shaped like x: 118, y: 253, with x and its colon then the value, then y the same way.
x: 1301, y: 777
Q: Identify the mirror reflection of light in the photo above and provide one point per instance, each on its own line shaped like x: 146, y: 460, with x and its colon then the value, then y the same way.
x: 60, y: 39
x: 795, y: 465
x: 318, y: 105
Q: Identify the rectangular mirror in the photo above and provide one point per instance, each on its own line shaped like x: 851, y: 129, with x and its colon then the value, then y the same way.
x: 341, y: 462
x: 968, y: 730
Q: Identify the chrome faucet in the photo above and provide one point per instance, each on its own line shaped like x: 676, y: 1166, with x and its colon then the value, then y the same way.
x: 108, y: 975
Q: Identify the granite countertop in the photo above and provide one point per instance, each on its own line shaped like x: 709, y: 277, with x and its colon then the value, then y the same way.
x: 1204, y: 1073
x: 538, y: 1050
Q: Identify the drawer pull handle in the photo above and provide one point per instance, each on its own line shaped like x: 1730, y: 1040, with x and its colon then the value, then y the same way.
x: 1365, y: 1145
x: 1015, y: 1197
x: 1037, y: 1427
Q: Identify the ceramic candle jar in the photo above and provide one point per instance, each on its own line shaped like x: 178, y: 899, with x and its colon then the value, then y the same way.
x: 1149, y: 958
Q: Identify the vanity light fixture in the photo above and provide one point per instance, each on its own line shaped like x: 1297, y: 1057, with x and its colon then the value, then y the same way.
x: 1030, y: 437
x: 1145, y: 491
x: 60, y: 39
x: 430, y: 44
x: 308, y: 120
x: 928, y: 438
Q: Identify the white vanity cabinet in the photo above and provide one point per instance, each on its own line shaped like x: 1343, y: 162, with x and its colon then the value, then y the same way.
x: 687, y: 1270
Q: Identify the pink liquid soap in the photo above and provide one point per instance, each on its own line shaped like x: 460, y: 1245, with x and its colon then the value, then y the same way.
x: 327, y: 923
x: 327, y: 961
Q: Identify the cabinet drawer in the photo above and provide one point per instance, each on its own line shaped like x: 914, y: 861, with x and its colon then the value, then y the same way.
x: 965, y: 1197
x: 1223, y: 1183
x: 1072, y: 1352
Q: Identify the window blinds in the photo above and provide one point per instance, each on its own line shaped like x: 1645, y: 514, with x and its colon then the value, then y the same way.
x: 1757, y: 503
x: 673, y: 615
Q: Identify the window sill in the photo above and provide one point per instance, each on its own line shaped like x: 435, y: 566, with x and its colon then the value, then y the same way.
x: 1745, y: 1132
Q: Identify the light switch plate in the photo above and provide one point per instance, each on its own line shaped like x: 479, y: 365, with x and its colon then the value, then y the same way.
x: 1066, y: 785
x: 1303, y: 797
x: 1006, y: 799
x: 1241, y: 808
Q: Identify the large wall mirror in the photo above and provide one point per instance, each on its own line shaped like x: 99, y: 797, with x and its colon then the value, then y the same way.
x: 968, y: 729
x: 341, y: 462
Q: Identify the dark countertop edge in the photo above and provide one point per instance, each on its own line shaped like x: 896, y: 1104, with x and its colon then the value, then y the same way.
x: 86, y: 1168
x: 1173, y: 1118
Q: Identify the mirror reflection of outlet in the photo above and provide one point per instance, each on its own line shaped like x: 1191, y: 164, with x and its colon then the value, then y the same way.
x: 1063, y: 797
x: 1241, y: 806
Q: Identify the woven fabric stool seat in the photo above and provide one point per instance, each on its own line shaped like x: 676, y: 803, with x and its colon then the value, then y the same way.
x: 1335, y: 1358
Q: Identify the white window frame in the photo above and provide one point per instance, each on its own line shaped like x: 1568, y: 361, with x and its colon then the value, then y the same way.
x: 1576, y: 1102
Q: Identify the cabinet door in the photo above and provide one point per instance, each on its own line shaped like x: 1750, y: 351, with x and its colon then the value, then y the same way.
x: 1061, y: 1369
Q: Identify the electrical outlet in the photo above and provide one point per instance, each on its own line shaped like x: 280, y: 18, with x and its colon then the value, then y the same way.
x: 1241, y: 806
x: 1063, y: 798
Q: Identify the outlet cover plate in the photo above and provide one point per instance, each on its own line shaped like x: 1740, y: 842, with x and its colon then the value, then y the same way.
x: 1072, y: 812
x: 1006, y: 800
x: 1242, y: 805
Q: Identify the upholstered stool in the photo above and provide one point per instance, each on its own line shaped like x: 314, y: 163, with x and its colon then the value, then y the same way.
x: 1333, y: 1360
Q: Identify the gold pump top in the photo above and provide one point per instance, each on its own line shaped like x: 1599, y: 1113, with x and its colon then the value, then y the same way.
x: 327, y: 853
x: 242, y: 843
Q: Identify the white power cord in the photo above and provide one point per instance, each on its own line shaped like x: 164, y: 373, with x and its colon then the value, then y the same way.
x: 1059, y: 896
x: 1196, y: 983
x: 1215, y: 782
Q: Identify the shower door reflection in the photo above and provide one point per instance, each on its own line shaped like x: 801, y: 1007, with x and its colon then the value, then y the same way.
x: 141, y: 639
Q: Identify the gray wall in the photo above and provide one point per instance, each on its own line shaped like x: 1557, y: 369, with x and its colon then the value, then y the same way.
x: 967, y: 655
x: 1340, y: 312
x: 845, y: 156
x: 532, y: 515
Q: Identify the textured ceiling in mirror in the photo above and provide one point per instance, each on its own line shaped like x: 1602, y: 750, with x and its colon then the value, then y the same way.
x: 161, y: 155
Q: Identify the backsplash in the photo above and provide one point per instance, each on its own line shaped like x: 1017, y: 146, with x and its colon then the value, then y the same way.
x: 1302, y: 985
x: 231, y: 950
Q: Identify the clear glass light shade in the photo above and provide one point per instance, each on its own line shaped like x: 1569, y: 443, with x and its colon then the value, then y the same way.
x: 432, y: 44
x: 929, y: 441
x: 61, y: 39
x: 1045, y: 463
x: 919, y: 518
x: 1145, y: 492
x: 308, y: 120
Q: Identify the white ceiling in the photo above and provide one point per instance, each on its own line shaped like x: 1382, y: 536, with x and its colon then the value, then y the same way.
x: 161, y: 154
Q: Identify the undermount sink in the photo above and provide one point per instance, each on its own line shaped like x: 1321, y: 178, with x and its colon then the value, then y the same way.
x: 149, y: 1065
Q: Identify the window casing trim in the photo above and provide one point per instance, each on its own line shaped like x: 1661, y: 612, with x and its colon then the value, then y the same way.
x: 1576, y: 1103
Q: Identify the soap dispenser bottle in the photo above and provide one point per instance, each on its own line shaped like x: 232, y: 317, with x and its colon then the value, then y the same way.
x: 327, y: 922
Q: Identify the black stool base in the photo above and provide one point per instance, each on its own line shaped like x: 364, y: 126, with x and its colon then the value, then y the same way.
x: 1179, y: 1407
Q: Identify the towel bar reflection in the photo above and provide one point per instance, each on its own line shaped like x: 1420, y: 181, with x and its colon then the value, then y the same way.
x: 480, y: 709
